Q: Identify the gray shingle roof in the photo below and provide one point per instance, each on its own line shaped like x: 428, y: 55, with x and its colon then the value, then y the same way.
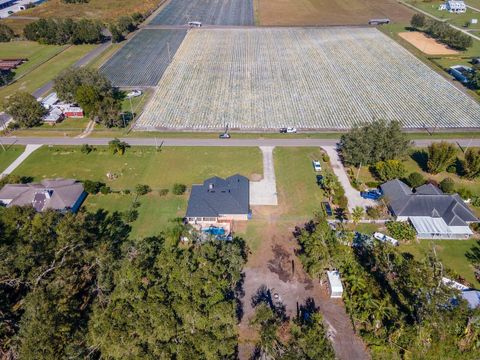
x: 58, y: 194
x: 217, y: 196
x: 428, y: 200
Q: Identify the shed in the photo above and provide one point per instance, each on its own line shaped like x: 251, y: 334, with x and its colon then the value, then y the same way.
x: 73, y: 112
x: 335, y: 284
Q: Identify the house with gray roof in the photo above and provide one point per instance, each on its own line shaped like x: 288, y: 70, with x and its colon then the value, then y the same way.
x: 219, y: 200
x: 57, y: 194
x: 433, y: 214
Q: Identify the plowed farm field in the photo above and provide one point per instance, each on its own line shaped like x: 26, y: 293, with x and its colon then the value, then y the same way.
x: 142, y: 61
x: 209, y: 12
x: 329, y: 12
x: 328, y: 78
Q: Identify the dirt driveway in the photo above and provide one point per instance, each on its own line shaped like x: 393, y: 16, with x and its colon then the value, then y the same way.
x: 274, y: 266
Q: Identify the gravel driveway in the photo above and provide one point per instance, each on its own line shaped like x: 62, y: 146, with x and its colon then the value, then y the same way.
x: 352, y: 194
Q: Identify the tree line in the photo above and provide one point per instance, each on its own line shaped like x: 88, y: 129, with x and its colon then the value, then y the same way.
x: 64, y: 31
x: 441, y: 31
x: 397, y: 303
x: 77, y: 286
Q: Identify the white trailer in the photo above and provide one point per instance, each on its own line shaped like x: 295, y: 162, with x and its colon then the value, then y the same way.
x: 384, y: 238
x: 335, y: 284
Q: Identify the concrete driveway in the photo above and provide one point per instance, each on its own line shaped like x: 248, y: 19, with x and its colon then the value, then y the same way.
x: 264, y: 192
x: 352, y: 194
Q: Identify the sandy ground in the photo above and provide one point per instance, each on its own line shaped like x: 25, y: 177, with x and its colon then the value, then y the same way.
x: 328, y: 12
x: 275, y: 267
x: 426, y: 44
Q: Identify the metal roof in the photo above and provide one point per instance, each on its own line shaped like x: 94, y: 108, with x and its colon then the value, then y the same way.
x: 431, y: 225
x: 334, y: 280
x: 217, y: 196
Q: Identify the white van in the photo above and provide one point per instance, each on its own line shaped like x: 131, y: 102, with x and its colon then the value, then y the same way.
x: 194, y: 24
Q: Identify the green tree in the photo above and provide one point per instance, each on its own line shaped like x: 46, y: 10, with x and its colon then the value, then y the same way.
x: 117, y: 35
x: 471, y: 164
x: 117, y: 146
x: 108, y: 112
x: 447, y: 185
x: 440, y: 156
x: 6, y: 33
x: 373, y: 142
x: 142, y: 189
x: 415, y: 179
x: 389, y: 170
x: 418, y: 21
x: 401, y: 231
x: 87, y: 97
x: 178, y: 189
x: 25, y: 109
x: 357, y: 214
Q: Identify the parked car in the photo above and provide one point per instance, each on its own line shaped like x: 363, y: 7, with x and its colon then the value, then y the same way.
x: 320, y: 180
x: 328, y: 209
x: 384, y: 238
x: 224, y: 136
x: 134, y: 93
x: 316, y: 165
x: 288, y: 130
x: 194, y: 24
x: 374, y: 194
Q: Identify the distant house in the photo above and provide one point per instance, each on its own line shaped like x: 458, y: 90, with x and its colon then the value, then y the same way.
x: 456, y: 6
x: 58, y: 194
x: 59, y: 110
x: 73, y: 112
x: 433, y: 214
x: 219, y: 200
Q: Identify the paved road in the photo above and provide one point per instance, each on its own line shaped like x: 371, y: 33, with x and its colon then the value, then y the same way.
x: 80, y: 63
x: 206, y: 142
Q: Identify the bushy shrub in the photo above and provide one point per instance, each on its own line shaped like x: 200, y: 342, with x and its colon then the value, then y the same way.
x: 401, y: 231
x: 464, y: 193
x: 415, y: 180
x: 452, y: 169
x: 92, y: 187
x: 105, y: 190
x: 341, y: 201
x: 373, y: 184
x: 126, y: 191
x: 325, y: 157
x: 178, y: 189
x: 440, y: 156
x: 6, y: 33
x: 130, y: 215
x: 389, y: 170
x: 374, y: 212
x: 142, y: 189
x: 447, y: 185
x: 163, y: 192
x: 86, y: 149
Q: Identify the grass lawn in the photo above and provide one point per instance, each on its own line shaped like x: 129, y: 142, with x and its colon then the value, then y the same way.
x: 142, y: 165
x: 299, y: 194
x: 35, y: 53
x: 9, y: 154
x: 93, y: 9
x: 47, y: 71
x: 450, y: 252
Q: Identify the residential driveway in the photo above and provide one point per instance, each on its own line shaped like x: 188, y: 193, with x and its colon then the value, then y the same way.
x: 264, y: 192
x: 28, y: 150
x: 352, y: 194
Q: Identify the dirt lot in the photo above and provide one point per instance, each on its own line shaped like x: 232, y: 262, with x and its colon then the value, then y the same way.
x: 426, y: 44
x: 275, y: 268
x: 328, y: 12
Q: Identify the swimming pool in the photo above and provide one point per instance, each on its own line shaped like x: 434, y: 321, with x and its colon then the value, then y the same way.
x: 214, y: 230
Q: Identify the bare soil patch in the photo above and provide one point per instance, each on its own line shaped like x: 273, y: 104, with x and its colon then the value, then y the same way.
x: 329, y: 12
x: 426, y: 44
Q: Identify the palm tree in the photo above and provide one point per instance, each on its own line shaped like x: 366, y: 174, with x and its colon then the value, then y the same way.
x: 117, y: 146
x: 357, y: 214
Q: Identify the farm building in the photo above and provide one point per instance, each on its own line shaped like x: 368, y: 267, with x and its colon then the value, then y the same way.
x: 219, y: 200
x: 49, y: 100
x: 73, y: 112
x: 10, y: 64
x: 461, y: 73
x: 433, y: 214
x: 53, y: 116
x: 58, y: 194
x: 335, y: 284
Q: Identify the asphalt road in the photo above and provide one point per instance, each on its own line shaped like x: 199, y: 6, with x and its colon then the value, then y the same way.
x: 80, y: 63
x: 204, y: 142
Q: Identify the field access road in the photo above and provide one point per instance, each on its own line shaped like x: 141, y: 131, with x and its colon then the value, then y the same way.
x: 206, y: 142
